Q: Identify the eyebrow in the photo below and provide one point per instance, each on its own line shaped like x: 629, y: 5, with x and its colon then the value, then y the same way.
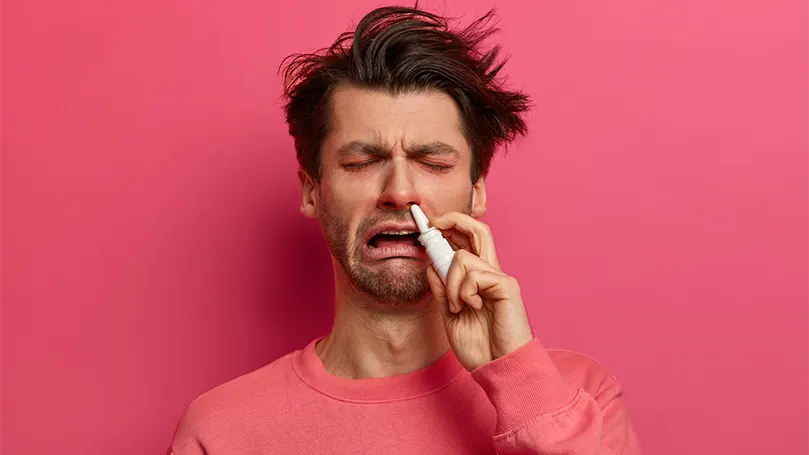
x: 435, y: 148
x: 362, y: 147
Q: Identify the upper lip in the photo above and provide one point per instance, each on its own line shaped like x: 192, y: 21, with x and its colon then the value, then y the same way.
x: 392, y: 227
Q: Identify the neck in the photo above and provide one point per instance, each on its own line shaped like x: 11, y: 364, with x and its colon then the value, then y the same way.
x: 370, y: 340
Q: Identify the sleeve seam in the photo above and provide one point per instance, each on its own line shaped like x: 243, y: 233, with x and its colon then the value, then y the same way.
x: 608, y: 386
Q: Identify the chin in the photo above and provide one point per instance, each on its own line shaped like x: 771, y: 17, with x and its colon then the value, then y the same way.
x: 399, y: 283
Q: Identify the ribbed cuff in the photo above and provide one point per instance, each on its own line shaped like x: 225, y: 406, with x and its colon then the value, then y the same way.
x: 523, y: 385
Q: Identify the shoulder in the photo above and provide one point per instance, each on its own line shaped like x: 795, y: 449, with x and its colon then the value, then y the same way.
x: 229, y: 402
x: 583, y: 372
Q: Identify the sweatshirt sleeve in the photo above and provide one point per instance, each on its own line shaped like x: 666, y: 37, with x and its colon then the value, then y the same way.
x: 540, y: 412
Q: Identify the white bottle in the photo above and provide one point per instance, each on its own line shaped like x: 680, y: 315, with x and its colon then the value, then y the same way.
x: 438, y: 248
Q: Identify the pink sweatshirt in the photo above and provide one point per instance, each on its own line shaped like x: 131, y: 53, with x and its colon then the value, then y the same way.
x: 532, y: 401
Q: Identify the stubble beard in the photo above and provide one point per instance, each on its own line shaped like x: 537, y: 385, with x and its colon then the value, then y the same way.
x: 398, y: 283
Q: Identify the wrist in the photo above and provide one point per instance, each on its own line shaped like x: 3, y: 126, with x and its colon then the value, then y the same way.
x: 506, y: 346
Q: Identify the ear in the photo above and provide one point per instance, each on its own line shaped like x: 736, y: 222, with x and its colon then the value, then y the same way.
x: 309, y: 196
x: 479, y: 198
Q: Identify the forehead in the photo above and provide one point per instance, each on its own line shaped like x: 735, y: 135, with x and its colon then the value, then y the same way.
x: 410, y: 118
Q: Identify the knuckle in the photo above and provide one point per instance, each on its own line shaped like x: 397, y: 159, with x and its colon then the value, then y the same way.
x: 466, y: 292
x: 463, y: 256
x: 474, y: 275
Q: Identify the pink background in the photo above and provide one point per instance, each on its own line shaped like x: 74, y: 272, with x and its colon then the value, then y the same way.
x: 152, y: 248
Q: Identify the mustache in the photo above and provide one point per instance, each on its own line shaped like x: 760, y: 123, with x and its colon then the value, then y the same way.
x: 402, y: 216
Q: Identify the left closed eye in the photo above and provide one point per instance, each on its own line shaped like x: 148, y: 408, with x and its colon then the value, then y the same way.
x: 436, y: 167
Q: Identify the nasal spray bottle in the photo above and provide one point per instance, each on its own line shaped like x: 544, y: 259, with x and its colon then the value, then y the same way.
x: 438, y: 248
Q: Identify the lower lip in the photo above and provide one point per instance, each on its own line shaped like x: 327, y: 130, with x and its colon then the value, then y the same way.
x: 394, y: 251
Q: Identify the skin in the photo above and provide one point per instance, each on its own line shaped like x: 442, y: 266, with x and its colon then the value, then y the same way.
x: 384, y: 153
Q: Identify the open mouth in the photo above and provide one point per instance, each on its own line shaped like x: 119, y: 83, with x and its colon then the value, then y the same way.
x: 387, y: 239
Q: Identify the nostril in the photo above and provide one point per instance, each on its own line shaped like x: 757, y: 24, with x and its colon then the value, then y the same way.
x: 389, y: 203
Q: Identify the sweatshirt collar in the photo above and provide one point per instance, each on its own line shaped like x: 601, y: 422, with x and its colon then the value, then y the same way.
x: 434, y: 377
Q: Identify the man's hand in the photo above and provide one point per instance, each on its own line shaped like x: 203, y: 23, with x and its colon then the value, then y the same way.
x: 482, y: 308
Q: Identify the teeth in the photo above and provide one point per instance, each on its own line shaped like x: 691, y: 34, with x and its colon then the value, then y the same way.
x: 398, y: 232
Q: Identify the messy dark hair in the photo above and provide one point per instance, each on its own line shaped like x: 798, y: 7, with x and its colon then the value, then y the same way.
x: 401, y: 49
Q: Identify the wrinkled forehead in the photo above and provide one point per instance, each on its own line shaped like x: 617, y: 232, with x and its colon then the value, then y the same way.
x: 405, y: 120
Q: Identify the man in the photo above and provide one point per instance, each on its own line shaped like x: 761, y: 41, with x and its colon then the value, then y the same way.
x: 405, y: 111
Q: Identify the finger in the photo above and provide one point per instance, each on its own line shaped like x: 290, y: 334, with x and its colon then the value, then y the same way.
x: 479, y: 235
x: 455, y: 276
x: 469, y: 289
x: 483, y: 283
x: 458, y: 240
x: 439, y: 292
x: 462, y: 263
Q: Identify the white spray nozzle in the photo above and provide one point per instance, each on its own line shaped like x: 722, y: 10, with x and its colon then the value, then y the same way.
x: 439, y: 250
x: 422, y: 221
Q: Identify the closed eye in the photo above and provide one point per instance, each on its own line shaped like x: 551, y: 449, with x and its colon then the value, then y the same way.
x: 436, y: 167
x: 359, y: 165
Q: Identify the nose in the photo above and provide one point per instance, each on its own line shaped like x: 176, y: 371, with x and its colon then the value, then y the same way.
x: 399, y: 191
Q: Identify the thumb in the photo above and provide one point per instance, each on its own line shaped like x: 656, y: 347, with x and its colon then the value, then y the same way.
x: 439, y: 292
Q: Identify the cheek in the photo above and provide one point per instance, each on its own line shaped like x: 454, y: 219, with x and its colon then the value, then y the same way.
x: 449, y: 193
x: 349, y: 195
x: 345, y: 202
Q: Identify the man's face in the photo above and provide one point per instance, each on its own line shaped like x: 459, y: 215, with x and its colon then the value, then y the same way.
x: 384, y: 153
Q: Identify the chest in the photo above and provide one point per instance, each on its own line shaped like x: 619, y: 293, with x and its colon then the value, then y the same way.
x: 443, y: 423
